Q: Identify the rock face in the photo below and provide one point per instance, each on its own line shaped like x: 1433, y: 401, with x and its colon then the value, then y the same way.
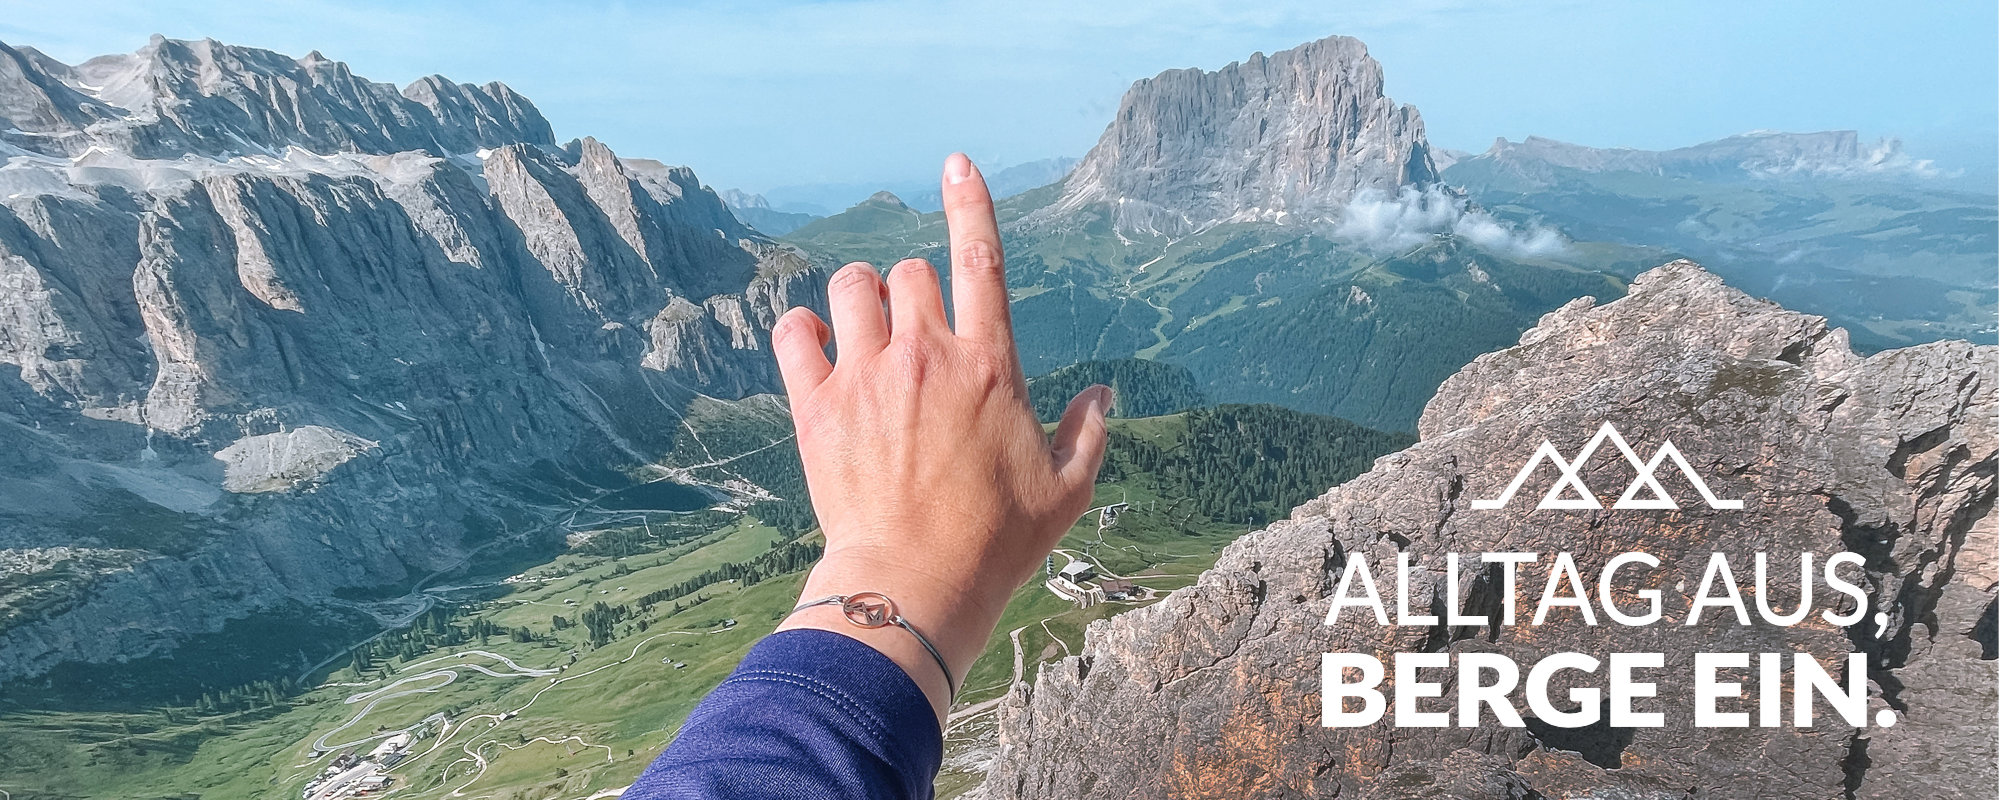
x: 1292, y: 137
x: 306, y: 333
x: 1214, y: 692
x: 1763, y: 154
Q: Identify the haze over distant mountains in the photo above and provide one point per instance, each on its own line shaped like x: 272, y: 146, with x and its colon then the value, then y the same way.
x: 822, y: 199
x: 1758, y: 154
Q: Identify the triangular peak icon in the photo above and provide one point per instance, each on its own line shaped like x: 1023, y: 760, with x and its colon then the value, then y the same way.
x: 1570, y: 480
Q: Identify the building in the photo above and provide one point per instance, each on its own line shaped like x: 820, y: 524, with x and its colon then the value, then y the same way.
x: 1077, y: 571
x: 1118, y: 589
x: 1082, y: 597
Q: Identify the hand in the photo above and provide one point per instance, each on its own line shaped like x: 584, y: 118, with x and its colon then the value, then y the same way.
x: 932, y: 479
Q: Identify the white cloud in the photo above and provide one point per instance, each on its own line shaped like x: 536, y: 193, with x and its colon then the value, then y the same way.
x: 1379, y: 221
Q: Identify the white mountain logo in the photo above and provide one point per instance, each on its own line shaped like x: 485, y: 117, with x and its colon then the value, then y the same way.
x: 1582, y: 496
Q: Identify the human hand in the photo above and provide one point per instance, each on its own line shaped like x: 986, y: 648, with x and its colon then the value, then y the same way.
x: 932, y: 479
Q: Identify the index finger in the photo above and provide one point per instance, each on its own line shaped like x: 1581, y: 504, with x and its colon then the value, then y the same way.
x: 978, y: 272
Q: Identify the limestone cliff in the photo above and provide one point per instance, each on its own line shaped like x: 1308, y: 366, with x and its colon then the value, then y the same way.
x: 1214, y: 692
x: 271, y: 331
x: 1292, y: 137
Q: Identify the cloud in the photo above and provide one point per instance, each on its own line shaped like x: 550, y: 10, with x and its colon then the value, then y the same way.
x: 1883, y: 158
x: 1379, y: 221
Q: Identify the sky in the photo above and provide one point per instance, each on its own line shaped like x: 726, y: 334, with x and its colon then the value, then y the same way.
x: 759, y: 95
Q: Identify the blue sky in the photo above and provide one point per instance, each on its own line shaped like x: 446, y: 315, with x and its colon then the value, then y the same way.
x: 758, y: 95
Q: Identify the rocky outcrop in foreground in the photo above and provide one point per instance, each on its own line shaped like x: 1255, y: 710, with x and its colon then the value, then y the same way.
x: 1291, y: 138
x: 1214, y: 692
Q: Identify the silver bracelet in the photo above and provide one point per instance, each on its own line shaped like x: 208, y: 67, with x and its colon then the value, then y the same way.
x: 876, y: 610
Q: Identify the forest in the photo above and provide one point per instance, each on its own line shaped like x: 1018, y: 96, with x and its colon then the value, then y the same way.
x: 1250, y: 464
x: 1139, y: 388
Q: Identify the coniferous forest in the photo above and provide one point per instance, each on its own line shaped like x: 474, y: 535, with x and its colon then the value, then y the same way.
x: 1251, y: 464
x: 1139, y: 388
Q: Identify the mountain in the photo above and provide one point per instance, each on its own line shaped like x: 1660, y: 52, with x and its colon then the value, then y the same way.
x: 173, y: 98
x: 1750, y: 156
x: 882, y: 211
x: 1891, y: 457
x: 756, y: 212
x: 1274, y: 227
x: 283, y: 341
x: 1292, y: 137
x: 1865, y: 234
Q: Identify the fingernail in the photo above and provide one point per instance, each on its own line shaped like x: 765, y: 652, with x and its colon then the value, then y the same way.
x: 957, y: 168
x: 1101, y: 399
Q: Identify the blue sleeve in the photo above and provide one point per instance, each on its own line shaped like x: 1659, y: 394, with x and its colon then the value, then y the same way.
x: 808, y: 714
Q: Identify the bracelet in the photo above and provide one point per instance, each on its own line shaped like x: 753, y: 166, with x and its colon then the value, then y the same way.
x: 876, y: 610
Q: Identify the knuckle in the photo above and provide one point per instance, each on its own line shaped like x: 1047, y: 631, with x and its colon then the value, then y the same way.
x: 913, y: 270
x: 853, y: 277
x: 789, y: 326
x: 979, y: 257
x: 992, y: 369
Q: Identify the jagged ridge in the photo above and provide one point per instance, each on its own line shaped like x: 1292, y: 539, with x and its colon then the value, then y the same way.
x: 175, y: 97
x: 1891, y: 455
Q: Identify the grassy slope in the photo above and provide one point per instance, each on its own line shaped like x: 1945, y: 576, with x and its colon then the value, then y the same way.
x: 619, y: 717
x: 1238, y: 304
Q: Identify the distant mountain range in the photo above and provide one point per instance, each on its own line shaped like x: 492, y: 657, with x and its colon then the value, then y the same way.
x: 756, y: 212
x: 822, y: 199
x: 1864, y: 234
x: 1750, y: 156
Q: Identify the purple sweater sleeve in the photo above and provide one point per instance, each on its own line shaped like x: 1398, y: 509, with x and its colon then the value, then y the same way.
x: 808, y: 714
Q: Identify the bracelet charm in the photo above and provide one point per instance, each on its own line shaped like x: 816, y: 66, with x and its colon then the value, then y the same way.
x: 876, y: 610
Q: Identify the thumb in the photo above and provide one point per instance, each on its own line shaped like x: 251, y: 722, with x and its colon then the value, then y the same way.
x: 1080, y: 437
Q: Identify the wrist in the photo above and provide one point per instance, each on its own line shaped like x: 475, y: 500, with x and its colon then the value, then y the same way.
x: 892, y: 641
x: 954, y: 615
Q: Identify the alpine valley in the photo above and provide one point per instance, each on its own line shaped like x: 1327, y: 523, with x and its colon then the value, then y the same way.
x: 342, y: 422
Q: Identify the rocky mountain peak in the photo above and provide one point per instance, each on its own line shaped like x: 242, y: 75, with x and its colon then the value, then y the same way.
x: 1891, y: 456
x: 1289, y: 138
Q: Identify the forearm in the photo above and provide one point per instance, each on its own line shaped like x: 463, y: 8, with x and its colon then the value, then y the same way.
x: 807, y: 715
